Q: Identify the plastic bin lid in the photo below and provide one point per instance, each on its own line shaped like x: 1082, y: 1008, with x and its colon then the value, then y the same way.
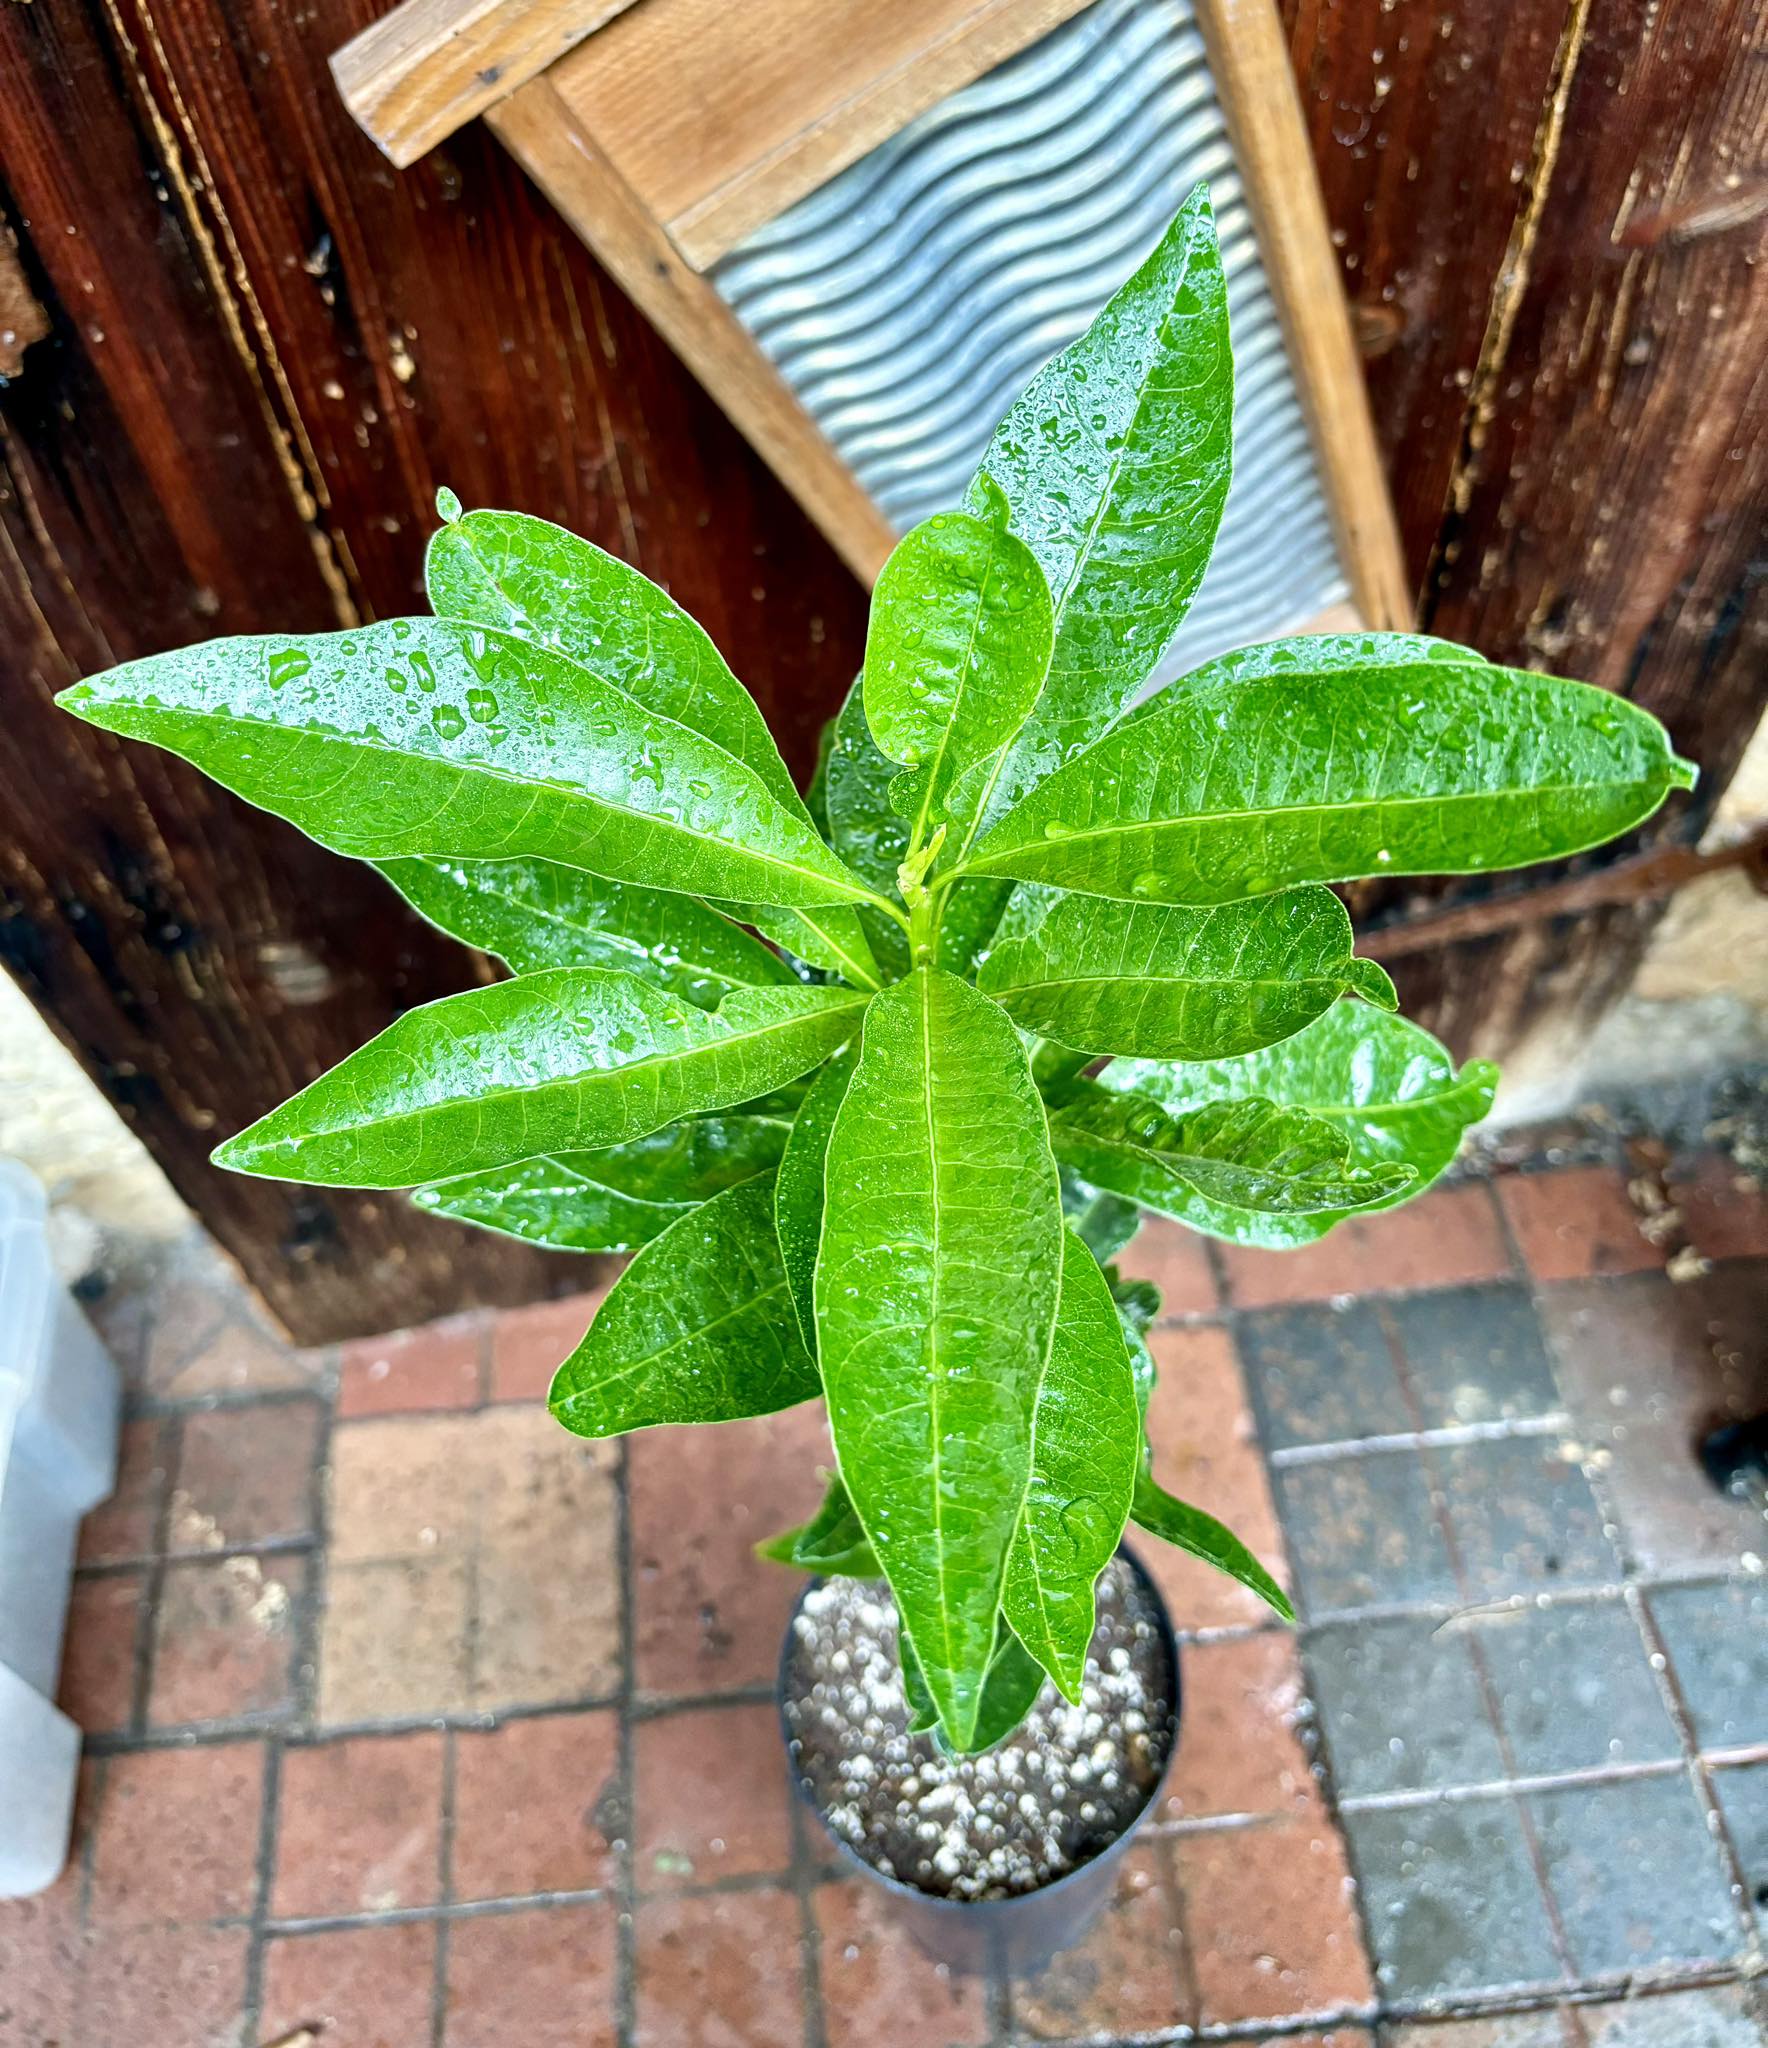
x: 25, y: 1283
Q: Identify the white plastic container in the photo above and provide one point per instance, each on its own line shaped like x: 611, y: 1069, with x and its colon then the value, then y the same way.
x: 59, y: 1403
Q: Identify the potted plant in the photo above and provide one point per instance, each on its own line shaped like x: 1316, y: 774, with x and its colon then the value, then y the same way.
x: 877, y: 1080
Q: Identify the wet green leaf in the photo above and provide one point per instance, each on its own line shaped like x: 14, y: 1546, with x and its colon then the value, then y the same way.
x: 956, y: 652
x: 619, y: 1197
x: 873, y: 839
x: 798, y: 1203
x: 427, y: 736
x: 1190, y: 1529
x: 567, y: 1061
x: 831, y: 1542
x: 1384, y: 1082
x: 1103, y: 1223
x: 936, y: 1289
x: 1171, y: 983
x: 547, y: 586
x: 1329, y: 759
x: 1014, y: 1680
x: 1086, y: 1449
x: 699, y: 1328
x: 535, y: 914
x: 1249, y: 1154
x: 1115, y: 461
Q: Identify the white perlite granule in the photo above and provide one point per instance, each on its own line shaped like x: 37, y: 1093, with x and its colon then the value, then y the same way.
x: 1059, y: 1790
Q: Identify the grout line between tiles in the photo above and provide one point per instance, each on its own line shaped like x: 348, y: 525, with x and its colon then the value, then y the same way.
x: 1449, y: 1437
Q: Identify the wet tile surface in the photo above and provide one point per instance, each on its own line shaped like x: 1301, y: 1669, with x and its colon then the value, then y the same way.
x: 1574, y: 1686
x: 1715, y: 1637
x: 1451, y: 1899
x: 1635, y: 1874
x: 1401, y: 1707
x: 1322, y: 1375
x: 1364, y: 1532
x: 422, y: 1722
x: 1473, y: 1355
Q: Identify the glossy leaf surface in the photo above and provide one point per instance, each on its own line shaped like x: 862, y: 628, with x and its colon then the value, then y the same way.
x: 956, y: 652
x: 1172, y: 983
x: 427, y: 736
x: 1086, y: 1449
x: 1249, y: 1154
x: 545, y: 585
x: 1387, y: 1084
x: 1314, y: 760
x: 699, y: 1328
x: 1175, y: 1521
x: 873, y: 839
x: 798, y: 1200
x: 1115, y: 462
x: 936, y: 1289
x: 568, y: 1061
x: 535, y: 914
x: 619, y: 1197
x: 1015, y: 1678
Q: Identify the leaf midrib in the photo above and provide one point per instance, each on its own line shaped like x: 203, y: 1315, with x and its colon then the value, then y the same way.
x: 398, y: 1119
x: 1122, y: 827
x: 366, y: 743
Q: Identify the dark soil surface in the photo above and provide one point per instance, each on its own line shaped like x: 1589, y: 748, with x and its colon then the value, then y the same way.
x: 1059, y: 1790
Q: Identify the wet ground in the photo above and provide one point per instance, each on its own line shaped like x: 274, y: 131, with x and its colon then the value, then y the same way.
x: 414, y: 1721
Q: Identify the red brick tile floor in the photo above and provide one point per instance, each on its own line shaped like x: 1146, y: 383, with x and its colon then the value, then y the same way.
x: 416, y: 1723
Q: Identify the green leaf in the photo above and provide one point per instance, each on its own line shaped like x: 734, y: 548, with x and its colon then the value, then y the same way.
x: 424, y: 736
x: 1172, y: 983
x: 1251, y: 1155
x: 873, y: 839
x: 936, y: 1289
x: 535, y: 914
x: 1329, y: 759
x: 568, y: 1061
x: 1086, y: 1448
x: 923, y: 1707
x: 1384, y: 1082
x: 619, y: 1197
x: 1115, y: 462
x: 1187, y: 1528
x: 1104, y: 1223
x: 956, y: 651
x: 831, y: 1542
x: 1010, y: 1690
x: 832, y: 938
x: 547, y: 586
x: 699, y: 1328
x: 798, y: 1201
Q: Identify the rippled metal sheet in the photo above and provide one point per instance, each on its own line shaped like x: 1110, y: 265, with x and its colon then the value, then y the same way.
x: 909, y: 300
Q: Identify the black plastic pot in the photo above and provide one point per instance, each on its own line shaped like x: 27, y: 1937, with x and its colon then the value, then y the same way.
x: 1016, y: 1935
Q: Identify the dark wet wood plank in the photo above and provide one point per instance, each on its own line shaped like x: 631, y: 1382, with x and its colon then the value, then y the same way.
x: 267, y: 350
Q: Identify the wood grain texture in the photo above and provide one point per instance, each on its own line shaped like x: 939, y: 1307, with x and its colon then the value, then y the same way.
x: 430, y: 66
x: 719, y: 118
x: 1603, y: 508
x: 266, y: 353
x: 543, y: 133
x: 1258, y: 95
x: 268, y: 348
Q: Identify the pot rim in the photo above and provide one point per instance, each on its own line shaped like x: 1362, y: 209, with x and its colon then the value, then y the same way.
x: 937, y: 1902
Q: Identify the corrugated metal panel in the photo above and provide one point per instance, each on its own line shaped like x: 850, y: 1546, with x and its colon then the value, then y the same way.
x: 909, y: 300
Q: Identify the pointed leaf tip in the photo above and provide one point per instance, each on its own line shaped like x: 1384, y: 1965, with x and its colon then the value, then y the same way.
x: 1373, y: 983
x: 447, y: 506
